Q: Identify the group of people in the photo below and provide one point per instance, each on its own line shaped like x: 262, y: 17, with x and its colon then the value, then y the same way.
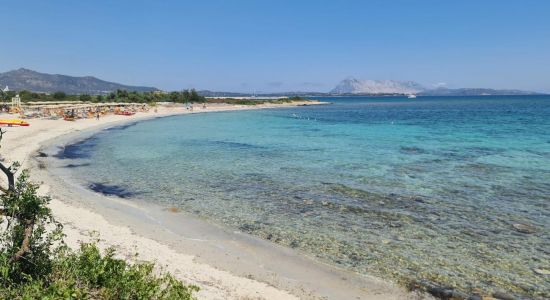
x: 189, y: 106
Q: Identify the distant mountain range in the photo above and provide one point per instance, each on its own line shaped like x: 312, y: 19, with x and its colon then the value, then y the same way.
x: 352, y: 86
x: 474, y: 92
x: 356, y: 86
x: 24, y: 79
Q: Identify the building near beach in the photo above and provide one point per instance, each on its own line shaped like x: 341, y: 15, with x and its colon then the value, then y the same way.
x: 16, y: 101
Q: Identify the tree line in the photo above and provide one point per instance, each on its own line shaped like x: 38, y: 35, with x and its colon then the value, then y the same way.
x: 185, y: 96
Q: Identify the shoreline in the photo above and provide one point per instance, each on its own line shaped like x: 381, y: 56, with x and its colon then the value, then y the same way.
x: 224, y: 263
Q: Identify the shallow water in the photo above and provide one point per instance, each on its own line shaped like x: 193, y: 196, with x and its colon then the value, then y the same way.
x: 427, y: 189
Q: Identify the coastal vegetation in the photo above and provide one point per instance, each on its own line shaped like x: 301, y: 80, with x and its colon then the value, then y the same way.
x: 35, y: 263
x: 124, y: 96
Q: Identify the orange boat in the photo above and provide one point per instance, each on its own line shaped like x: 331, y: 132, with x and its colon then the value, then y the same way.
x: 14, y: 122
x: 67, y: 118
x: 125, y: 113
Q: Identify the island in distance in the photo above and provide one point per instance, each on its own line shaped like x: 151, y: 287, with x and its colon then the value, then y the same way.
x: 353, y: 86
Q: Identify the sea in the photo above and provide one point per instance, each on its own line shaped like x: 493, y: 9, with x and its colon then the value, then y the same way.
x: 445, y: 191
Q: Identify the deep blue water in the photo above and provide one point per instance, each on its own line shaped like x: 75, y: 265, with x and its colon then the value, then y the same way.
x: 405, y: 189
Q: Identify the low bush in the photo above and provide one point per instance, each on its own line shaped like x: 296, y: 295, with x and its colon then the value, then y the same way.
x: 36, y: 264
x: 86, y: 274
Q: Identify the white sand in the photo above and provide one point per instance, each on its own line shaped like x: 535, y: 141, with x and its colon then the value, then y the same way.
x: 202, y: 254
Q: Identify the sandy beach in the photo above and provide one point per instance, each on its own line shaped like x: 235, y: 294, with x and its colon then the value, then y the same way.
x: 223, y: 263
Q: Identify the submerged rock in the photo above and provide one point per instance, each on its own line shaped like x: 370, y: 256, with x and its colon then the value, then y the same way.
x: 503, y: 296
x: 542, y: 271
x: 442, y: 292
x: 111, y: 190
x: 247, y: 227
x: 524, y: 228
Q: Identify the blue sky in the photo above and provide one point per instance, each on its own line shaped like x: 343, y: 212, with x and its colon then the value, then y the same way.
x: 282, y: 45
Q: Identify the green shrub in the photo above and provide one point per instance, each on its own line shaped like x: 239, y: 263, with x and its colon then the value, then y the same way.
x: 85, y: 97
x: 26, y: 245
x: 59, y: 95
x: 35, y: 264
x: 296, y: 98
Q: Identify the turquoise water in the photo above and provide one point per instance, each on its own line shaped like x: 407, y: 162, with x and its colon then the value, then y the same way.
x: 426, y: 189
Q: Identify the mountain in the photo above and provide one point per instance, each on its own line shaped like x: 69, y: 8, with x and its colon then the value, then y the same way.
x: 356, y: 86
x: 24, y: 79
x: 352, y: 86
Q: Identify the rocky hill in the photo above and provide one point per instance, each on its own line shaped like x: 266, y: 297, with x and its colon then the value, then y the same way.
x: 24, y: 79
x: 352, y: 86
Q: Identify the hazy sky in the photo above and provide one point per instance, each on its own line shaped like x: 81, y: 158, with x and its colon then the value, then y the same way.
x: 282, y: 45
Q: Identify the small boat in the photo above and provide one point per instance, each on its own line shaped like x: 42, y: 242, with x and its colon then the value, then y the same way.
x: 125, y: 113
x: 13, y: 122
x: 411, y: 96
x: 67, y: 118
